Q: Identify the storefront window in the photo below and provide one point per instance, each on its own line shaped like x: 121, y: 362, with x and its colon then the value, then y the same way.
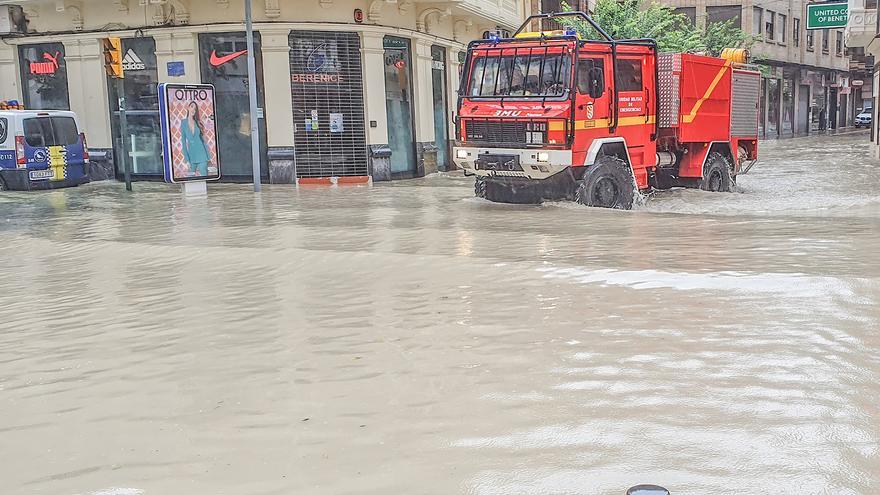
x: 398, y: 106
x: 773, y: 107
x: 44, y: 76
x: 326, y: 85
x: 224, y: 64
x: 441, y: 127
x: 787, y: 106
x: 143, y: 145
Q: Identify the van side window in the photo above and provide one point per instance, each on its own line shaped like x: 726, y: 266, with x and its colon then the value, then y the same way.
x: 4, y: 129
x: 64, y: 130
x: 50, y: 131
x: 585, y: 65
x: 35, y: 131
x: 629, y: 74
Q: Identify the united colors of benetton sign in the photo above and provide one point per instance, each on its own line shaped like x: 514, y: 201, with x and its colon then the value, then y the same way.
x: 826, y: 15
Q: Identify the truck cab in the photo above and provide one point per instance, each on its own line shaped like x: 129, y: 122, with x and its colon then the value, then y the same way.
x: 41, y: 150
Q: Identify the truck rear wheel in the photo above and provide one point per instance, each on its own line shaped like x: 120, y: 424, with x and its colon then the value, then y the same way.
x: 716, y: 174
x: 608, y: 183
x: 480, y: 187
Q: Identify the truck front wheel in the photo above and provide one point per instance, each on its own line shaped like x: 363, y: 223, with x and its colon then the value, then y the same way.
x: 608, y: 183
x: 716, y: 174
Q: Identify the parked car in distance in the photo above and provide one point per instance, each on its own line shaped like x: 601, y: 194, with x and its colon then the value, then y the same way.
x: 42, y: 149
x: 863, y: 119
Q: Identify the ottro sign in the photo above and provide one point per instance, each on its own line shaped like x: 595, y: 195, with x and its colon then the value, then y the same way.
x: 826, y: 15
x: 189, y: 132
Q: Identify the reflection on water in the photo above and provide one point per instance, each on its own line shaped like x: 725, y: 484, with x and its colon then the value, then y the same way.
x: 407, y: 338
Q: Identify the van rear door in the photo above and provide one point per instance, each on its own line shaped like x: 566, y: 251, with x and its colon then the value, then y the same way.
x: 52, y: 145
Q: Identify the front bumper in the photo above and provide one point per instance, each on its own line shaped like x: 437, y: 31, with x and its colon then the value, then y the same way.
x: 531, y: 168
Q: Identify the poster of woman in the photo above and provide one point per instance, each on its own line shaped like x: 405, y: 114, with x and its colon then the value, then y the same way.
x: 189, y: 132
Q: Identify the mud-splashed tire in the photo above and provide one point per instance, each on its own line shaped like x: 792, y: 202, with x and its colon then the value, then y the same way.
x: 3, y: 185
x: 480, y: 187
x: 608, y: 183
x: 717, y: 175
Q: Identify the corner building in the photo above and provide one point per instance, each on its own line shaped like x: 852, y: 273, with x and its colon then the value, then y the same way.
x: 346, y: 87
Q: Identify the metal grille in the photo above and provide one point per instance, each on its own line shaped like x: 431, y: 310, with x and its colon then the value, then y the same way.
x: 495, y: 131
x: 499, y: 133
x: 744, y: 104
x: 669, y: 68
x: 326, y: 84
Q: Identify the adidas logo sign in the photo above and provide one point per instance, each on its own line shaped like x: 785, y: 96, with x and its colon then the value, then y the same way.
x: 132, y: 62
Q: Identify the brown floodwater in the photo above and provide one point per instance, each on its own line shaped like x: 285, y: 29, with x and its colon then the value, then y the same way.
x: 410, y: 339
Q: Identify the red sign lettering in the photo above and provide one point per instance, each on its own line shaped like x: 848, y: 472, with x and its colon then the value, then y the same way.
x: 48, y: 67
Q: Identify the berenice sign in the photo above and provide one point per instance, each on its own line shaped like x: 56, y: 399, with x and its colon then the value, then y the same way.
x: 826, y: 15
x: 189, y: 132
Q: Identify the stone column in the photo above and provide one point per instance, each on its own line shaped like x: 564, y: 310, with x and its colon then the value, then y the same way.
x: 87, y: 85
x: 276, y: 80
x: 10, y: 89
x: 875, y: 127
x: 423, y: 97
x: 178, y: 47
x: 453, y: 79
x: 278, y: 111
x: 374, y: 100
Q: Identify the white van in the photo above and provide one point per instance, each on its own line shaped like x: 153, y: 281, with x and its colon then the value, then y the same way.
x: 41, y: 149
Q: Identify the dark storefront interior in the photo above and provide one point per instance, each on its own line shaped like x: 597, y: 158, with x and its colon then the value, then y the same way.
x: 44, y: 76
x: 223, y: 60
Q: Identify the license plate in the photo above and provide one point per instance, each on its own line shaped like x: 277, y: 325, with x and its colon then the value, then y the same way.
x: 41, y: 174
x: 507, y: 163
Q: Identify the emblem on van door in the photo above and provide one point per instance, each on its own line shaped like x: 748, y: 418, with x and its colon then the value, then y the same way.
x: 3, y: 126
x: 40, y: 155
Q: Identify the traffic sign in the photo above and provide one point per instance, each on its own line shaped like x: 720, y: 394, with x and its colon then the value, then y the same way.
x: 826, y: 15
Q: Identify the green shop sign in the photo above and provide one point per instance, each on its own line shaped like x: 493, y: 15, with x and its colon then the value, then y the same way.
x: 826, y: 15
x: 395, y: 43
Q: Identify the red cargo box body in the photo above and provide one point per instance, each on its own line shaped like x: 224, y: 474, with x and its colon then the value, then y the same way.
x: 706, y: 100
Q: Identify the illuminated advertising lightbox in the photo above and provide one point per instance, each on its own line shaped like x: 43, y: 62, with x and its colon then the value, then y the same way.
x: 189, y: 132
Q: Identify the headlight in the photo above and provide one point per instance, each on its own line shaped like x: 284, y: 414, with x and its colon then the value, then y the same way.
x: 543, y: 156
x: 461, y: 154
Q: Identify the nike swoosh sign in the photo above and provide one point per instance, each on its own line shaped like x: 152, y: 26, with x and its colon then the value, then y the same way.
x: 218, y: 61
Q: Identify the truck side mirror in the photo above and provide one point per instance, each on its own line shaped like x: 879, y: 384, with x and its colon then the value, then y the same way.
x: 597, y: 82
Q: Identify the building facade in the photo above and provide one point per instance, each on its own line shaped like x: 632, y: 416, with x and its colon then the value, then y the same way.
x: 807, y: 87
x: 346, y: 87
x: 862, y: 31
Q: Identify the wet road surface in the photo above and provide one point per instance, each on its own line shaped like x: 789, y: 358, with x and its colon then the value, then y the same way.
x: 408, y: 338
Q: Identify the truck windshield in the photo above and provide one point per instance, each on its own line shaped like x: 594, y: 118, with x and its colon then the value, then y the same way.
x: 542, y: 75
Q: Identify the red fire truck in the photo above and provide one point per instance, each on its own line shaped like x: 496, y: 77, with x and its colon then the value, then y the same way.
x: 549, y: 116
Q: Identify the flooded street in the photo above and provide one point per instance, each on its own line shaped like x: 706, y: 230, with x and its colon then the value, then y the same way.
x: 411, y: 339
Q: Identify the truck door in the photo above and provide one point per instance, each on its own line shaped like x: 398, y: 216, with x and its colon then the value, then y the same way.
x: 592, y: 114
x: 635, y: 76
